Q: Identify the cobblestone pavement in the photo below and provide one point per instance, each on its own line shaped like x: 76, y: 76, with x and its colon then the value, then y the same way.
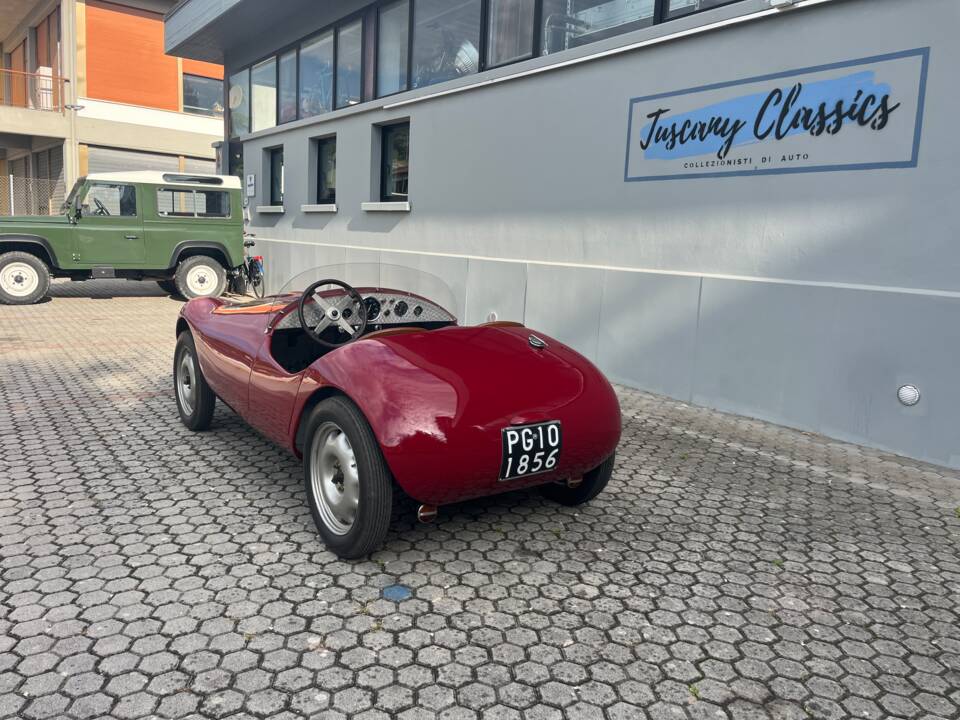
x: 732, y: 569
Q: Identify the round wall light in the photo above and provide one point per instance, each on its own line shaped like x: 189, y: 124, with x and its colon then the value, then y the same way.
x: 908, y: 395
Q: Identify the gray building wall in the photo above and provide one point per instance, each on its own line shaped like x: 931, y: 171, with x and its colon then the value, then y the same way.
x: 804, y: 299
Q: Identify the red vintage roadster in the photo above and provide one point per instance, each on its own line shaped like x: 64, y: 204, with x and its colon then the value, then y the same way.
x: 371, y: 385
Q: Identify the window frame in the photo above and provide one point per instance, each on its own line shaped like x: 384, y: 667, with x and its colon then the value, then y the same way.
x: 271, y: 154
x: 384, y: 130
x: 321, y: 143
x: 369, y: 15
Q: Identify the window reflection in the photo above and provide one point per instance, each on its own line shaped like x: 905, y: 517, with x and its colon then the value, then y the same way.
x: 446, y: 36
x: 572, y: 23
x: 316, y: 75
x: 239, y: 101
x: 288, y: 86
x: 510, y: 35
x: 349, y: 64
x: 263, y: 81
x: 392, y: 44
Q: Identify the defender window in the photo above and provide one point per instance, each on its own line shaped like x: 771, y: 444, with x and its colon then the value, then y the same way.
x: 110, y: 199
x: 178, y: 202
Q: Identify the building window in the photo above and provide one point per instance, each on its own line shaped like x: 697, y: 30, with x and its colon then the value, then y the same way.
x: 263, y: 83
x: 393, y: 33
x: 106, y: 199
x: 276, y: 176
x: 572, y: 23
x: 202, y: 95
x: 510, y: 31
x: 350, y: 64
x: 316, y: 75
x: 239, y: 102
x: 287, y: 77
x: 446, y: 36
x: 395, y: 162
x: 327, y: 171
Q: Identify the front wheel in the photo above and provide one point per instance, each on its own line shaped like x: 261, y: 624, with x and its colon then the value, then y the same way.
x: 24, y: 278
x: 348, y: 485
x: 200, y: 276
x: 590, y: 486
x: 195, y: 399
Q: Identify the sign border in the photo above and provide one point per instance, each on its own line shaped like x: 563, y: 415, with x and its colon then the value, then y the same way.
x: 923, y: 52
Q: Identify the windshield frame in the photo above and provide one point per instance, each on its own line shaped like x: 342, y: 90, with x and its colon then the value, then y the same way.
x: 380, y: 277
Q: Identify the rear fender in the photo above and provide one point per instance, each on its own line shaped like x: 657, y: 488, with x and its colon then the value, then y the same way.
x: 438, y: 401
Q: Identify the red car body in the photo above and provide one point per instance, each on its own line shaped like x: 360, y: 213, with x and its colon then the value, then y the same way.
x: 437, y: 400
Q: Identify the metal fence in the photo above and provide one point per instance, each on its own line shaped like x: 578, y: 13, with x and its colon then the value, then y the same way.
x: 38, y: 91
x: 30, y: 196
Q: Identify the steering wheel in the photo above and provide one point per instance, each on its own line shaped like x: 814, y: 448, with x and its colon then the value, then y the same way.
x: 101, y: 208
x: 351, y: 321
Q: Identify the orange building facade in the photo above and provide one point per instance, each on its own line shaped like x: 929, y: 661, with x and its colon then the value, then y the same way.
x: 85, y: 86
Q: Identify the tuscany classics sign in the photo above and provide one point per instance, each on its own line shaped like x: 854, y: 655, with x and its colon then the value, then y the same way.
x: 861, y: 114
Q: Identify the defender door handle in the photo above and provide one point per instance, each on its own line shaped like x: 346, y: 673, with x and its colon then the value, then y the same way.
x: 131, y: 237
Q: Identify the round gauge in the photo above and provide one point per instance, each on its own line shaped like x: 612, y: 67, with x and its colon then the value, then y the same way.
x: 373, y: 308
x: 418, y: 311
x: 347, y: 313
x: 400, y: 309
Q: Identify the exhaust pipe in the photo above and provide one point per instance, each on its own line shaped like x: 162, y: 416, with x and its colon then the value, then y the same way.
x: 427, y: 513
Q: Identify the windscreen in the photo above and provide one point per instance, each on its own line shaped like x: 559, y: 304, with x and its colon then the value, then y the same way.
x: 379, y: 276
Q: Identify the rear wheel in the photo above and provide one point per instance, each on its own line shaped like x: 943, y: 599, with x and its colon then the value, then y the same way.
x: 24, y: 278
x: 590, y: 486
x: 200, y: 276
x: 195, y: 399
x: 348, y: 485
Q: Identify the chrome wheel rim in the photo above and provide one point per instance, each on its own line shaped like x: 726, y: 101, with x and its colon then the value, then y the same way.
x: 19, y: 279
x: 334, y: 478
x: 202, y: 280
x: 186, y: 382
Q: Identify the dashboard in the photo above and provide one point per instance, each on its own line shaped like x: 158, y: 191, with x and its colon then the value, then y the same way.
x: 384, y: 308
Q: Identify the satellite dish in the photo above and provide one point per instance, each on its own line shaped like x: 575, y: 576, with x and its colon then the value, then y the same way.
x: 236, y: 97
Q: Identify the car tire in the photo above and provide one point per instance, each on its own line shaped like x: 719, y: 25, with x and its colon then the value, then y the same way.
x: 200, y: 276
x: 593, y: 482
x: 169, y: 287
x: 24, y: 278
x: 195, y: 399
x: 351, y: 507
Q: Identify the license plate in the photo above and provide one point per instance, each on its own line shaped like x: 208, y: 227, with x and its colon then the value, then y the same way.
x: 530, y: 449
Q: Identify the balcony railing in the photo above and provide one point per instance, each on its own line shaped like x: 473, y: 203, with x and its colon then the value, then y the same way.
x: 37, y: 91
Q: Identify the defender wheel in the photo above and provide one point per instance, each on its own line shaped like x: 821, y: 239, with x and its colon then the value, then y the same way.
x: 348, y: 484
x: 168, y: 286
x: 195, y: 399
x: 24, y: 278
x: 591, y: 485
x: 200, y: 276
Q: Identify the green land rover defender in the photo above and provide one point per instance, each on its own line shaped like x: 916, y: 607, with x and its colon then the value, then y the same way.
x: 184, y: 231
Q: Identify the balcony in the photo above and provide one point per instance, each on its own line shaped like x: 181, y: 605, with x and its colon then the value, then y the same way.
x: 31, y: 105
x: 34, y: 91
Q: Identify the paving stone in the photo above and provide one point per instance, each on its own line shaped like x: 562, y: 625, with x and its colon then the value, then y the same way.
x: 733, y: 569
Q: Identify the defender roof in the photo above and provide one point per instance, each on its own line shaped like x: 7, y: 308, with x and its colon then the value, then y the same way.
x: 153, y: 177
